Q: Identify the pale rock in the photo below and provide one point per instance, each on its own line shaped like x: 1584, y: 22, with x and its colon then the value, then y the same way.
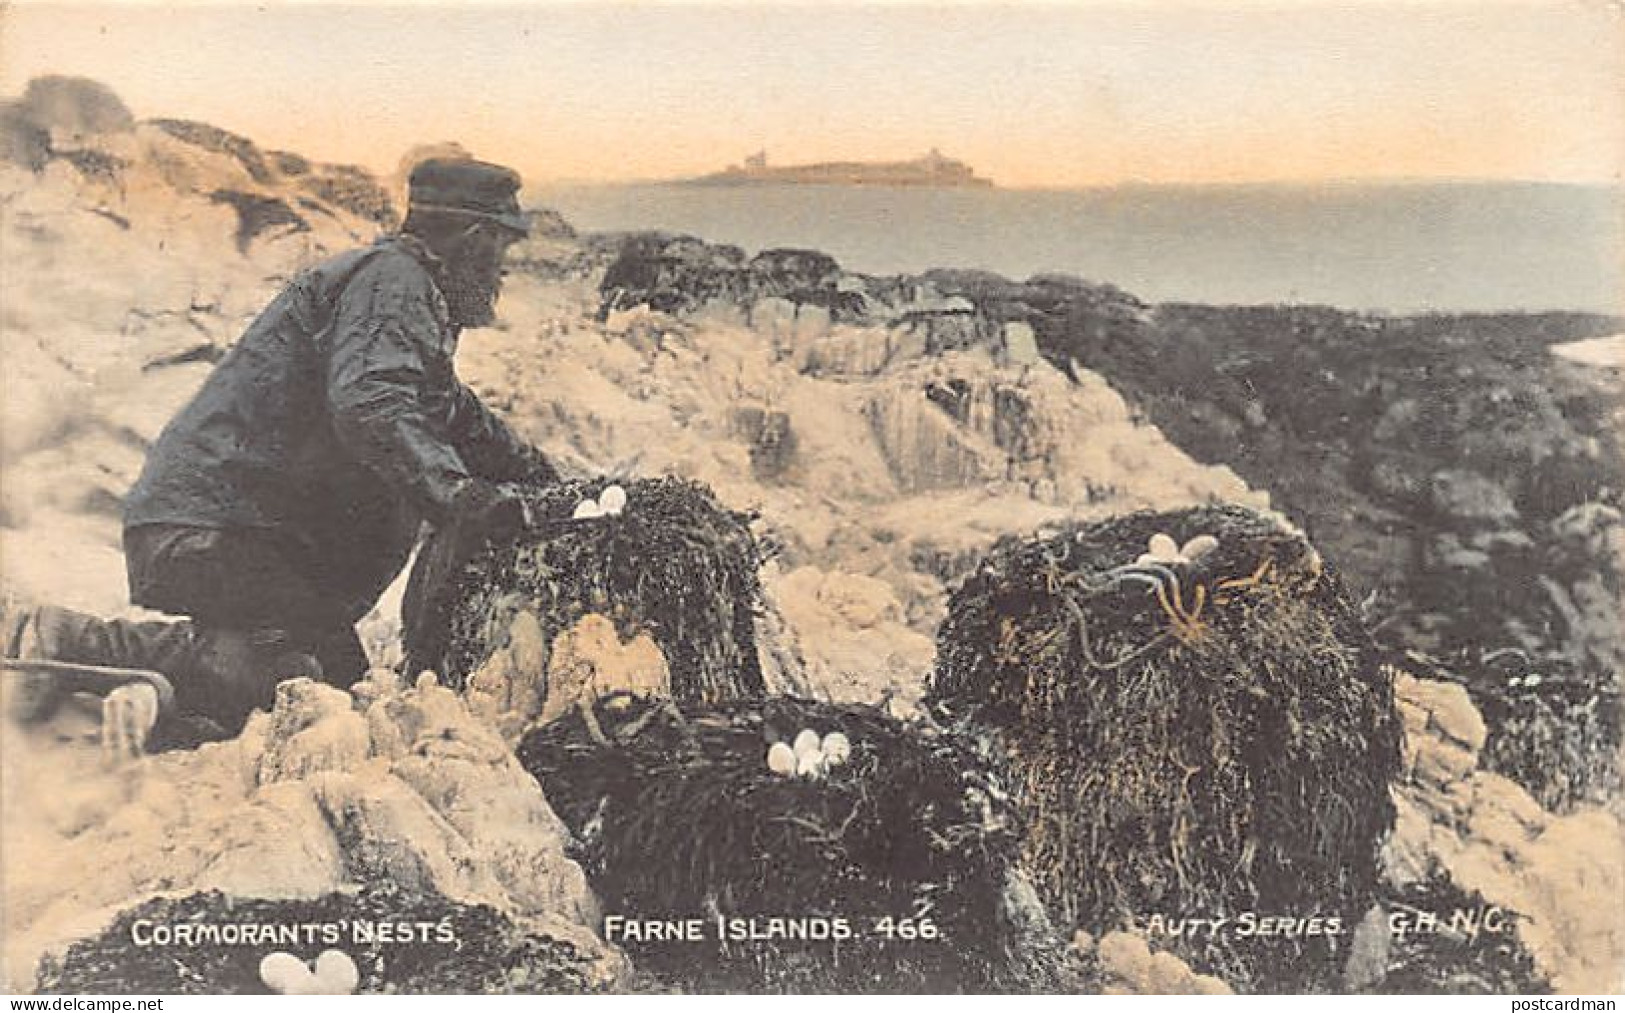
x: 433, y: 722
x: 811, y: 321
x: 1572, y: 871
x: 926, y: 448
x: 589, y: 660
x: 1454, y: 713
x: 311, y: 799
x: 1167, y: 975
x: 1125, y: 956
x: 855, y: 352
x: 508, y: 689
x: 848, y: 633
x: 1444, y: 763
x: 1501, y: 829
x: 1020, y: 344
x: 314, y: 728
x: 1489, y: 836
x: 1502, y: 794
x: 378, y: 683
x: 502, y: 815
x: 1207, y: 984
x: 385, y: 738
x: 774, y: 317
x: 388, y: 833
x: 278, y: 846
x: 1133, y: 968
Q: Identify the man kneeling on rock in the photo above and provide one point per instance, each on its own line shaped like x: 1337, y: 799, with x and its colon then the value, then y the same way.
x: 280, y: 502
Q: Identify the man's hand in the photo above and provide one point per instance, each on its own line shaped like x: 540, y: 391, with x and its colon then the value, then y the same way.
x: 537, y: 469
x: 485, y: 514
x: 481, y: 515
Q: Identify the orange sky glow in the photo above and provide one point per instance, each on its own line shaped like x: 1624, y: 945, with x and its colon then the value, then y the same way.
x: 1052, y: 94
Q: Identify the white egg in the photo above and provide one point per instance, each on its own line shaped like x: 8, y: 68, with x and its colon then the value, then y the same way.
x: 586, y: 509
x: 284, y: 973
x: 336, y: 973
x: 837, y: 749
x: 810, y: 764
x: 1162, y: 547
x: 1145, y: 558
x: 1198, y: 547
x: 806, y: 742
x: 612, y: 500
x: 781, y: 759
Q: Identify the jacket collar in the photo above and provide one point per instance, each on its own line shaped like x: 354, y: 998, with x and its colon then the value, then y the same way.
x: 420, y: 251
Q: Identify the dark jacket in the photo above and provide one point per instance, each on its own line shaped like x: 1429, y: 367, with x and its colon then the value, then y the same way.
x: 336, y: 423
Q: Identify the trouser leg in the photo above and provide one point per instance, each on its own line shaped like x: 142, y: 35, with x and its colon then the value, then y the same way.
x: 244, y: 580
x: 255, y: 615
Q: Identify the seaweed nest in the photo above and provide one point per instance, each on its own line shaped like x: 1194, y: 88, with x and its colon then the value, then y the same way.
x: 1201, y: 730
x: 452, y: 947
x: 1554, y: 728
x: 686, y: 820
x: 674, y: 563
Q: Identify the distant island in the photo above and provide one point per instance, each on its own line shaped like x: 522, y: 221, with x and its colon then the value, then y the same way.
x: 931, y: 169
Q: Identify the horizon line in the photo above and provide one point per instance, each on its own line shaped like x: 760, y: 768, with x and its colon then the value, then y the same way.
x: 1122, y: 184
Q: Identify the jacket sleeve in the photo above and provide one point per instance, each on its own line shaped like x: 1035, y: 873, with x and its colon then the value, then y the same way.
x: 390, y: 386
x: 490, y: 448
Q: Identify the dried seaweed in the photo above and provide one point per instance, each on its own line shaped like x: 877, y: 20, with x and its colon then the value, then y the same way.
x: 675, y: 564
x: 685, y: 820
x: 1208, y: 738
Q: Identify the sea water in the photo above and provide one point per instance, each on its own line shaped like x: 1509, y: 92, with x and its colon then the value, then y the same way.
x: 1397, y: 247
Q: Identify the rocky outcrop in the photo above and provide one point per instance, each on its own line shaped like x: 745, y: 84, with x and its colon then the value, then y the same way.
x: 221, y: 142
x: 1431, y: 454
x: 324, y: 793
x: 1121, y: 963
x: 1545, y: 874
x: 73, y: 106
x: 677, y: 274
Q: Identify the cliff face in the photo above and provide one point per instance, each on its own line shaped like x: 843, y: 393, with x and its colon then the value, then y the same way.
x: 1458, y: 470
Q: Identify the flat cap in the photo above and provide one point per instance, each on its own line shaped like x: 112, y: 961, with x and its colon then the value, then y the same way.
x: 463, y: 185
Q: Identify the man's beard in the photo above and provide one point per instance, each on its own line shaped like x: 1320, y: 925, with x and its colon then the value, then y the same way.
x: 471, y: 295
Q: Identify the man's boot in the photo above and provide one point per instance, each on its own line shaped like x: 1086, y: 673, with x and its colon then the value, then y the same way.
x: 218, y: 675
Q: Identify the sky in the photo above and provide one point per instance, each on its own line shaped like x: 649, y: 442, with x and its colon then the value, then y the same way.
x: 1030, y: 94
